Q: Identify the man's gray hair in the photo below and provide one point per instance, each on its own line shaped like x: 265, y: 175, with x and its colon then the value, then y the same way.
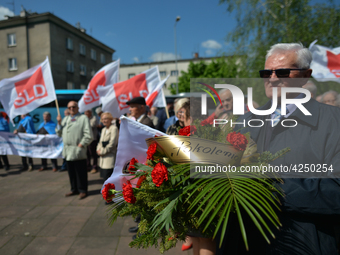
x: 223, y: 90
x: 47, y: 113
x: 304, y: 56
x: 334, y: 93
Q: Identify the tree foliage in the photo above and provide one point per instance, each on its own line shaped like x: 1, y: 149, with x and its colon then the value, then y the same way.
x: 223, y: 67
x: 262, y: 23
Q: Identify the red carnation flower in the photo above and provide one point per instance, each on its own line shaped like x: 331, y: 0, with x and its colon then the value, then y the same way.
x: 128, y: 193
x: 208, y: 121
x: 187, y: 131
x: 159, y: 174
x: 132, y: 163
x: 106, y: 192
x: 151, y: 151
x: 237, y: 140
x: 140, y: 180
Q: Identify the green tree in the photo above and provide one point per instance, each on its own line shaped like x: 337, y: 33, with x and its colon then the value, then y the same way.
x: 223, y: 67
x: 262, y: 23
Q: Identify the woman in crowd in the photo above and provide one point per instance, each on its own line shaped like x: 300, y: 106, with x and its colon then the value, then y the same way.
x: 107, y: 146
x: 173, y: 129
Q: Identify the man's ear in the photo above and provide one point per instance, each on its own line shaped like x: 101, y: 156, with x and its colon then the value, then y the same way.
x: 308, y: 73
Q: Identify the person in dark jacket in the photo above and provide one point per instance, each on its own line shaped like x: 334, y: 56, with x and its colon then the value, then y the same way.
x: 310, y: 207
x: 138, y: 111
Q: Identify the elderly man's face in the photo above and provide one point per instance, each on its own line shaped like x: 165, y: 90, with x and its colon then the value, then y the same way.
x: 73, y: 107
x: 227, y: 100
x: 285, y: 60
x: 137, y: 110
x: 330, y: 99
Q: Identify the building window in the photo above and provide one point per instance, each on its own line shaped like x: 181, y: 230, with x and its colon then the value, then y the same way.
x: 69, y: 44
x: 69, y: 66
x: 82, y: 86
x: 102, y: 58
x: 11, y: 40
x: 131, y: 75
x: 93, y: 54
x: 82, y: 49
x: 83, y: 70
x: 162, y: 73
x: 93, y: 72
x: 174, y: 73
x: 70, y: 85
x: 12, y: 64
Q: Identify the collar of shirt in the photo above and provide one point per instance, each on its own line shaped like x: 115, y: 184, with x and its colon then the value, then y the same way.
x: 74, y: 116
x: 140, y: 118
x: 290, y: 107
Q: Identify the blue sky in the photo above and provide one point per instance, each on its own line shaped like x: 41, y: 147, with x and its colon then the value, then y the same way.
x: 143, y: 31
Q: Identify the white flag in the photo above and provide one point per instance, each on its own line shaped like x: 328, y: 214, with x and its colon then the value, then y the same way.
x: 107, y: 75
x: 27, y: 91
x: 131, y: 144
x: 114, y: 98
x: 156, y: 97
x: 326, y: 63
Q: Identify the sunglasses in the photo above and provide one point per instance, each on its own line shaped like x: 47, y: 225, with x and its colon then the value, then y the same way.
x: 280, y: 73
x: 72, y: 107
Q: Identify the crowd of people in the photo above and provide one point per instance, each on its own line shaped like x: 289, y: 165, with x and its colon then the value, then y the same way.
x: 310, y: 209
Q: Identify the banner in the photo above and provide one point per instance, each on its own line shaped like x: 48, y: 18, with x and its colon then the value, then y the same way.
x: 107, y: 75
x: 114, y: 98
x: 131, y: 144
x: 27, y: 91
x: 33, y: 146
x: 326, y: 63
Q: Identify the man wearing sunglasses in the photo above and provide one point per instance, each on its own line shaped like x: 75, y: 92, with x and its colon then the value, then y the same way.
x: 310, y: 207
x: 77, y: 135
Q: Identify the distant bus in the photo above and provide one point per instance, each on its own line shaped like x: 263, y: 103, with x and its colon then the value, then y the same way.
x: 63, y: 96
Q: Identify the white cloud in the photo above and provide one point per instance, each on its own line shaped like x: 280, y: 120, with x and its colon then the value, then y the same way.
x: 136, y: 59
x: 163, y: 56
x: 5, y: 11
x: 211, y: 44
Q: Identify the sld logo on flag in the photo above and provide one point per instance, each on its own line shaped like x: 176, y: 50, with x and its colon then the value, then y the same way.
x: 134, y: 87
x: 91, y: 94
x: 30, y: 89
x: 333, y: 63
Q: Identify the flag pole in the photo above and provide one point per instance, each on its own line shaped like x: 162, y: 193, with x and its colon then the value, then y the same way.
x: 167, y: 112
x: 57, y: 105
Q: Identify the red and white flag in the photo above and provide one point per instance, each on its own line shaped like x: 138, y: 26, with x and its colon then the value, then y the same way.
x: 107, y: 75
x: 114, y: 98
x: 156, y: 96
x: 27, y: 91
x: 326, y: 63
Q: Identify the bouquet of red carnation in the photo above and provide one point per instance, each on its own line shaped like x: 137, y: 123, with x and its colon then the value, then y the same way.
x: 173, y: 201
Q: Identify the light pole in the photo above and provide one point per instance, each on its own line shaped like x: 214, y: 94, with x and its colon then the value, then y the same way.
x: 177, y: 19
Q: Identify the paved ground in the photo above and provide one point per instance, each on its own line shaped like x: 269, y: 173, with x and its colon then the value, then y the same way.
x: 36, y: 218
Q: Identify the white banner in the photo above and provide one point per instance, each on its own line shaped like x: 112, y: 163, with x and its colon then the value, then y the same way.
x: 131, y: 144
x: 27, y: 91
x: 326, y: 63
x: 33, y: 146
x: 106, y: 76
